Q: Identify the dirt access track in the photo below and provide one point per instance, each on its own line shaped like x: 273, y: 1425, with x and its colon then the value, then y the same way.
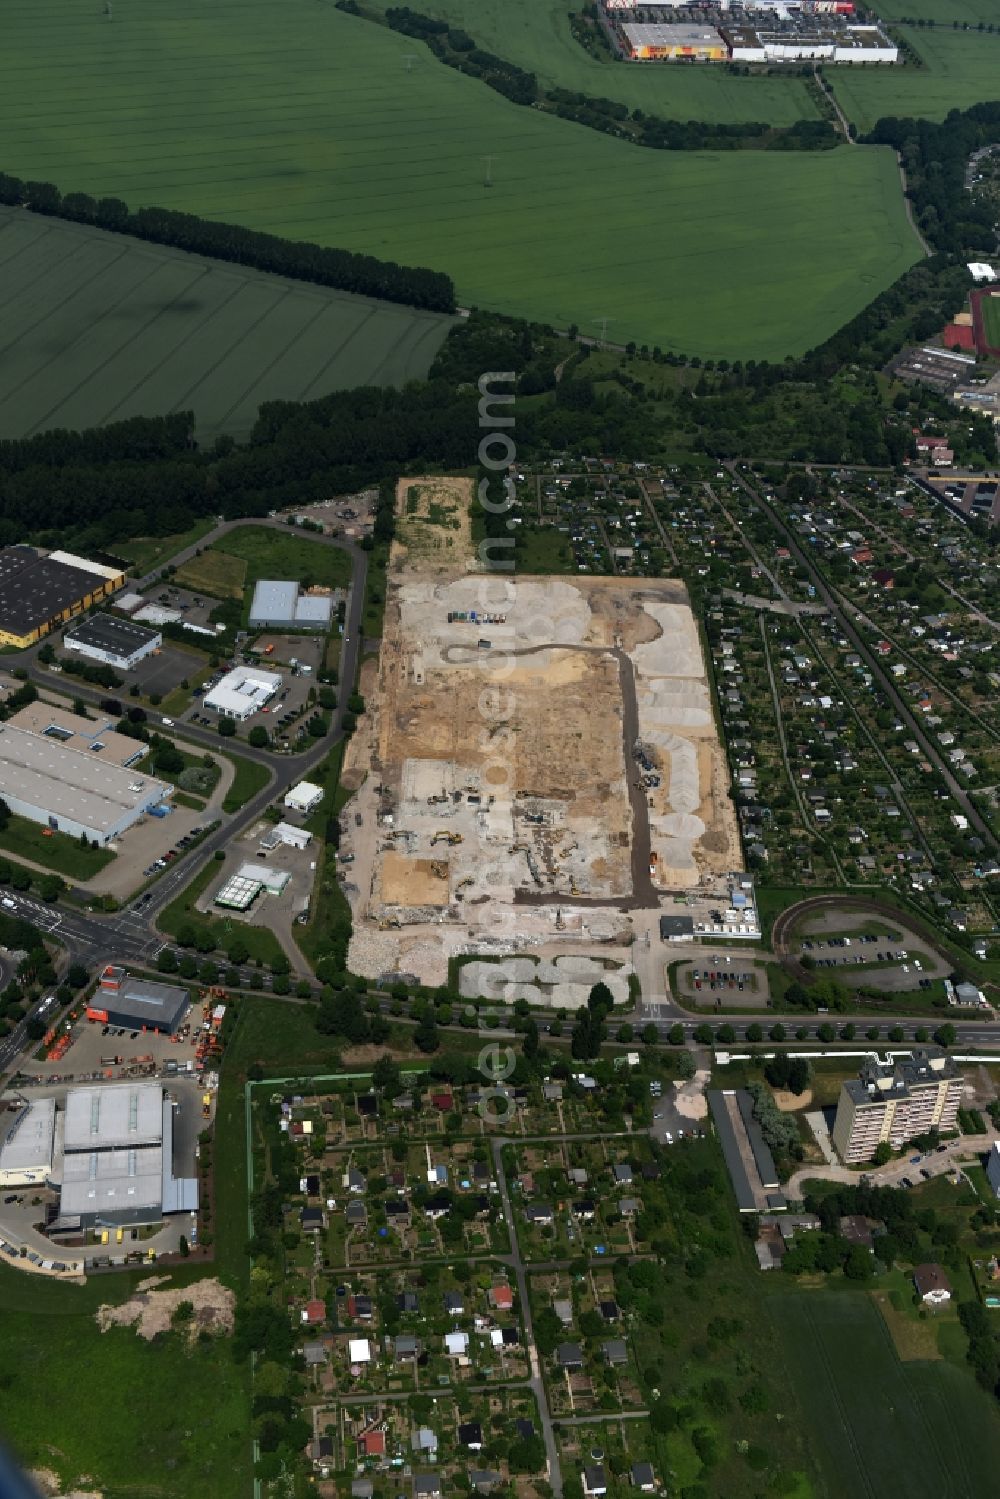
x: 501, y: 732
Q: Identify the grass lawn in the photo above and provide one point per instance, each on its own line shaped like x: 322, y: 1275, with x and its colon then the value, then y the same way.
x: 991, y: 313
x: 329, y: 903
x: 279, y: 1036
x: 268, y: 553
x: 251, y: 777
x: 145, y: 552
x: 375, y: 585
x: 175, y: 702
x: 320, y: 132
x: 543, y: 549
x: 216, y: 572
x: 963, y: 68
x: 942, y: 12
x: 56, y: 851
x: 880, y: 1426
x: 198, y: 1442
x: 536, y: 35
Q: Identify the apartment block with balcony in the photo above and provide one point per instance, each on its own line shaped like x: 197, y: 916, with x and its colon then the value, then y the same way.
x: 894, y: 1101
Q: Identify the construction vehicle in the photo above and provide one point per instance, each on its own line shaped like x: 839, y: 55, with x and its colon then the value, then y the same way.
x: 442, y: 834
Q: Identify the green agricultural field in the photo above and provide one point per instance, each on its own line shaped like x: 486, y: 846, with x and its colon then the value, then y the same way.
x: 98, y: 328
x: 963, y: 68
x: 305, y: 121
x: 536, y: 35
x: 944, y: 13
x: 193, y: 1437
x: 878, y: 1425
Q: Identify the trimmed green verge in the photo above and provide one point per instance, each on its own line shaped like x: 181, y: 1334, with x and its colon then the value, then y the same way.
x: 56, y: 851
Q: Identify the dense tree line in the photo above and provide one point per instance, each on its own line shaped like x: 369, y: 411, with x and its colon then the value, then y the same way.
x: 456, y: 49
x: 934, y: 157
x: 363, y: 274
x: 147, y: 477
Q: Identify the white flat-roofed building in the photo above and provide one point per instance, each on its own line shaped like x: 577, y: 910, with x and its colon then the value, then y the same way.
x: 115, y: 642
x: 129, y: 602
x: 27, y: 1146
x: 72, y: 790
x: 99, y: 569
x: 279, y: 604
x: 304, y: 796
x: 94, y: 736
x: 288, y: 833
x: 114, y: 1116
x: 273, y: 880
x: 243, y: 692
x: 117, y: 1159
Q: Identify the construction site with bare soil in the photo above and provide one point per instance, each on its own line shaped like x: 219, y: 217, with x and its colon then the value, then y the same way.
x: 538, y: 766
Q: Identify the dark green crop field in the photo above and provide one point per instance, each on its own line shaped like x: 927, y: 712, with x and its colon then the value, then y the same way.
x: 313, y: 124
x: 95, y: 327
x: 881, y: 1426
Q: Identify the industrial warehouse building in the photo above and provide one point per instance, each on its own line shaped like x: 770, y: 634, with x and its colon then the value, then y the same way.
x: 137, y: 1004
x: 117, y: 1160
x: 74, y: 791
x: 243, y: 692
x: 115, y: 642
x: 28, y: 1144
x: 672, y: 42
x: 109, y: 1153
x: 96, y: 735
x: 281, y: 605
x: 40, y: 591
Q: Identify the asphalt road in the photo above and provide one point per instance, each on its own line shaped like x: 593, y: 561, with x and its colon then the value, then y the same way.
x: 92, y: 938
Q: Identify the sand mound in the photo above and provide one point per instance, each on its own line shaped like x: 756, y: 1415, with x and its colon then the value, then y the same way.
x: 149, y: 1310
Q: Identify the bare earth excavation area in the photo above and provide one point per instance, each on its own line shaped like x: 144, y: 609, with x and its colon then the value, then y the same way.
x: 538, y: 761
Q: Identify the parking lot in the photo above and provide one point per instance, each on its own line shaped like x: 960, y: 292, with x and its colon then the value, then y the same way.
x: 729, y: 981
x: 890, y: 965
x: 167, y: 669
x: 194, y: 608
x: 284, y: 717
x: 94, y: 1045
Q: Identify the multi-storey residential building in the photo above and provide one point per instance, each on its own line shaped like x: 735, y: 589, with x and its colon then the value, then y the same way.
x: 894, y: 1102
